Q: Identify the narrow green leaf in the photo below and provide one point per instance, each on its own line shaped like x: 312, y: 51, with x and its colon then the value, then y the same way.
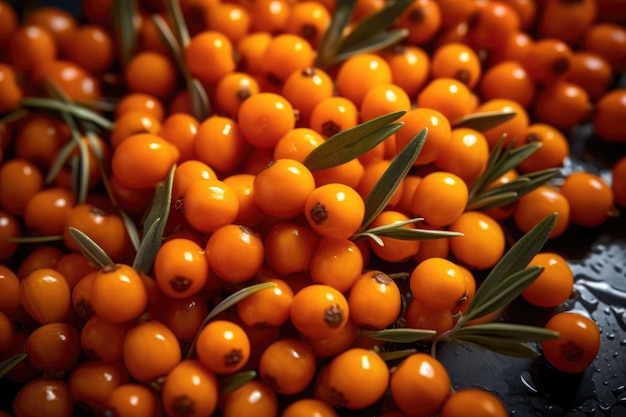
x: 200, y: 104
x: 8, y: 364
x: 227, y: 303
x: 329, y: 43
x: 484, y: 121
x: 390, y: 180
x: 374, y: 24
x: 35, y: 239
x: 486, y: 202
x: 231, y: 383
x: 375, y: 43
x: 61, y: 159
x: 511, y: 332
x: 124, y: 28
x: 503, y: 347
x: 352, y: 143
x: 77, y: 111
x: 399, y: 335
x: 13, y: 116
x: 161, y: 201
x: 396, y: 231
x: 131, y: 229
x: 175, y: 15
x: 393, y: 355
x: 90, y: 249
x: 82, y: 172
x: 148, y: 248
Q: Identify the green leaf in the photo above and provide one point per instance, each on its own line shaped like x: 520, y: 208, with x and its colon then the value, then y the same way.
x: 230, y: 383
x: 175, y: 15
x: 131, y: 229
x: 35, y: 239
x: 507, y: 331
x: 375, y: 43
x: 498, y: 283
x: 374, y: 24
x: 8, y: 364
x: 200, y: 104
x: 503, y: 347
x: 148, y: 248
x: 90, y: 249
x: 124, y: 28
x: 227, y: 303
x: 383, y: 190
x: 393, y: 355
x: 396, y: 231
x: 484, y: 121
x: 79, y: 112
x: 399, y: 335
x: 61, y: 159
x: 352, y: 143
x: 172, y: 44
x: 13, y: 116
x: 329, y: 43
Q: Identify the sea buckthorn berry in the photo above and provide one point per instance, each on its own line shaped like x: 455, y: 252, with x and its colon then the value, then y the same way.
x: 491, y: 24
x: 309, y: 407
x: 359, y: 74
x: 608, y: 40
x: 60, y: 23
x: 142, y: 102
x: 143, y: 160
x: 449, y: 96
x: 419, y: 316
x: 151, y: 73
x: 45, y: 256
x: 44, y: 396
x: 103, y: 340
x: 285, y: 54
x: 249, y: 213
x: 513, y: 129
x: 223, y: 347
x: 289, y: 248
x: 53, y: 348
x: 40, y: 139
x: 383, y: 99
x: 333, y: 115
x: 465, y: 155
x: 410, y: 67
x: 334, y: 210
x: 250, y: 50
x: 7, y: 333
x: 591, y: 72
x: 470, y: 402
x: 438, y: 127
x: 209, y: 46
x: 30, y: 46
x: 532, y: 207
x: 526, y: 11
x: 190, y: 390
x: 81, y: 296
x: 483, y: 242
x: 309, y: 20
x: 184, y: 316
x: 618, y: 183
x: 235, y: 253
x: 547, y: 60
x: 422, y: 19
x: 287, y: 366
x: 454, y: 12
x: 421, y: 373
x: 458, y: 61
x: 554, y: 285
x: 319, y: 311
x: 253, y: 398
x: 566, y: 20
x: 45, y: 211
x: 11, y: 91
x: 349, y: 173
x: 133, y: 122
x: 334, y: 345
x: 134, y: 400
x: 438, y: 283
x: 571, y: 100
x: 181, y: 268
x: 150, y: 351
x: 268, y: 307
x: 106, y: 229
x: 509, y: 80
x: 590, y: 198
x: 409, y: 184
x: 180, y: 129
x: 608, y: 114
x: 229, y: 19
x: 336, y: 262
x: 306, y: 88
x: 517, y: 46
x: 209, y: 204
x: 374, y: 300
x: 45, y: 295
x: 9, y: 290
x: 91, y: 383
x: 577, y: 345
x: 232, y: 90
x: 70, y: 78
x: 297, y: 144
x: 264, y: 118
x: 92, y: 48
x: 439, y: 248
x: 118, y: 293
x: 393, y: 250
x: 10, y: 20
x: 19, y: 181
x: 282, y: 188
x: 372, y: 173
x: 440, y: 198
x: 188, y: 172
x: 553, y: 151
x: 357, y: 378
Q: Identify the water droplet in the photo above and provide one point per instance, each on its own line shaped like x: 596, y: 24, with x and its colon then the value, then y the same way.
x: 528, y: 382
x: 619, y: 391
x: 610, y: 336
x: 622, y: 342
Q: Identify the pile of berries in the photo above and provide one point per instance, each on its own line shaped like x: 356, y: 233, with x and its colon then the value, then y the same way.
x: 182, y: 234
